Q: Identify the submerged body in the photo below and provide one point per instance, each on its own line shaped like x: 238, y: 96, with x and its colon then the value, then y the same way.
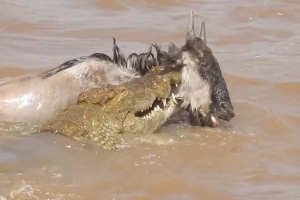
x: 101, y: 115
x: 37, y: 98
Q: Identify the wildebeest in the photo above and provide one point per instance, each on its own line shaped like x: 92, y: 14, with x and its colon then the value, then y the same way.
x: 203, y: 90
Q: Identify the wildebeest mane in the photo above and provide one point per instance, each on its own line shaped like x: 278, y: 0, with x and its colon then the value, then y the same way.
x: 132, y: 60
x: 118, y: 55
x: 140, y: 63
x: 166, y: 59
x: 145, y: 62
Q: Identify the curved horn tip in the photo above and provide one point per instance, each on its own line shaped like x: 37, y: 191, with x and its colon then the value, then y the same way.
x: 203, y: 23
x: 150, y: 49
x: 203, y: 32
x: 190, y: 32
x: 192, y: 18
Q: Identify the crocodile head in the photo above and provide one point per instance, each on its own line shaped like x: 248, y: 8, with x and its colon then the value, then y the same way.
x: 139, y: 106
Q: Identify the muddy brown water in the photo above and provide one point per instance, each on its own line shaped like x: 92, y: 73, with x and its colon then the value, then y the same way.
x: 255, y: 156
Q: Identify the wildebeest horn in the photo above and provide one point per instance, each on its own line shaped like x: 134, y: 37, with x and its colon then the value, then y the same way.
x: 203, y: 32
x: 172, y: 48
x: 190, y: 35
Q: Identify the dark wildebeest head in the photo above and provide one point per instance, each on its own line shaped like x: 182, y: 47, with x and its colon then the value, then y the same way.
x: 140, y: 63
x: 203, y: 90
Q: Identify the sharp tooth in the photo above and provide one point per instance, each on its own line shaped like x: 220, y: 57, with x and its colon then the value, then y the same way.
x: 155, y: 109
x: 164, y: 101
x: 176, y: 85
x: 173, y: 97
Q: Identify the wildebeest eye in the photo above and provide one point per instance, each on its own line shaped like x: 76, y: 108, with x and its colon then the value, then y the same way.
x: 204, y: 65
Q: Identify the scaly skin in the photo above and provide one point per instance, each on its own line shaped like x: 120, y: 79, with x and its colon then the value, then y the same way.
x: 103, y: 115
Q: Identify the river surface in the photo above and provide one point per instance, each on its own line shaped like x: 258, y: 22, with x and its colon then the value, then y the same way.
x: 254, y: 156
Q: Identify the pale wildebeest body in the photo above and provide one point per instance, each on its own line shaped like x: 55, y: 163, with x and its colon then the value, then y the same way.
x: 37, y: 98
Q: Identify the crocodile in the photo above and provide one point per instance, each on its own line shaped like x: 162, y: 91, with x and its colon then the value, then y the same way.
x: 103, y: 115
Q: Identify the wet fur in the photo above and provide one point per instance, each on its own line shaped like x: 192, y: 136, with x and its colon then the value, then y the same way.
x: 203, y: 88
x: 45, y: 94
x: 140, y: 63
x: 118, y: 55
x: 194, y: 91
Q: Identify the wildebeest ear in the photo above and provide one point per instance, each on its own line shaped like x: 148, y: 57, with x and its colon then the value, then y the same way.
x: 190, y: 35
x: 203, y: 32
x: 172, y: 48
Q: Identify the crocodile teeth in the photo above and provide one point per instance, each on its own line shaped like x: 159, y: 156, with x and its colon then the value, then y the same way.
x: 176, y: 85
x: 174, y: 99
x: 164, y: 101
x: 158, y: 108
x: 155, y: 109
